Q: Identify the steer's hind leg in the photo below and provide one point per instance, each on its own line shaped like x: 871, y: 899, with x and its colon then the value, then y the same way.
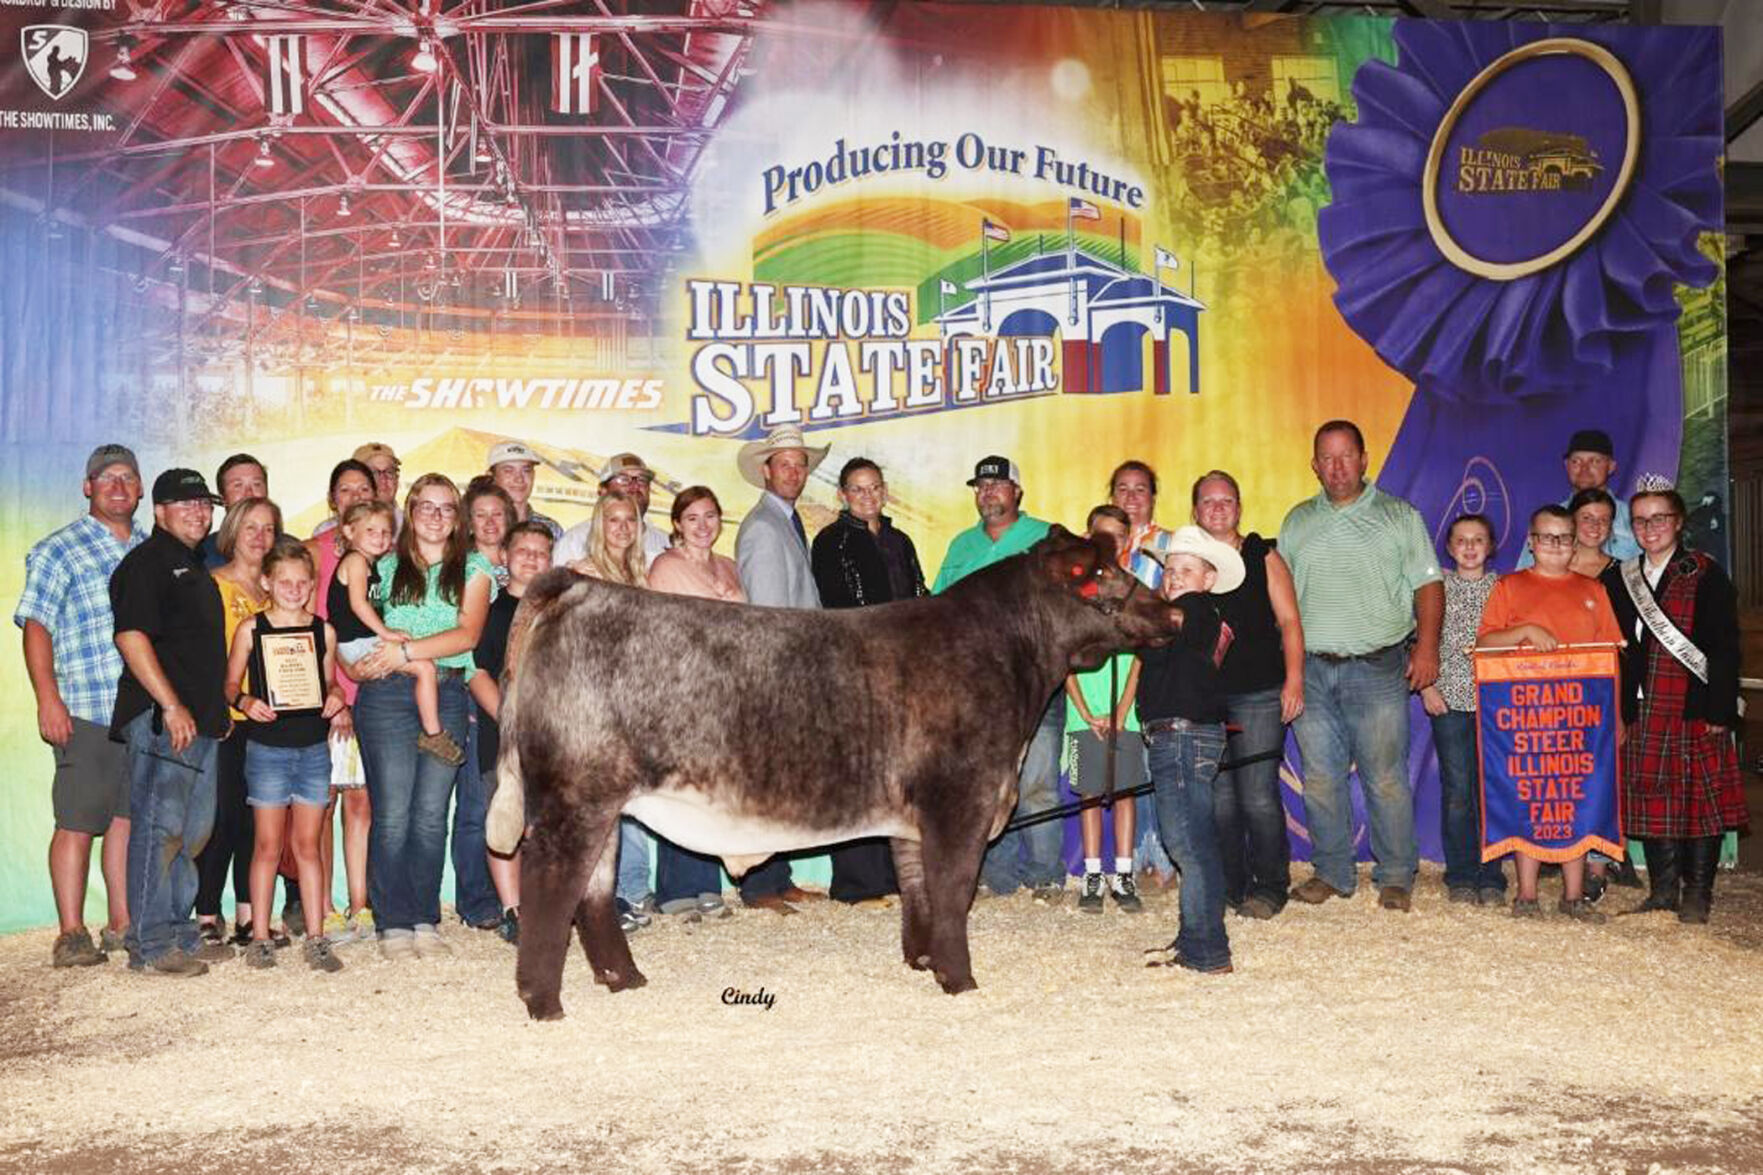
x: 914, y: 905
x: 951, y: 868
x: 554, y: 870
x: 596, y: 919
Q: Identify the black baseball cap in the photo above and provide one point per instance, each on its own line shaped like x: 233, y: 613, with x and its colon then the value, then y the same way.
x: 181, y: 485
x: 996, y: 469
x: 1590, y: 440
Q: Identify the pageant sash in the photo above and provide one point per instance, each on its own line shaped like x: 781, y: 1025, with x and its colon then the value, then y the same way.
x: 1668, y: 635
x: 1546, y: 725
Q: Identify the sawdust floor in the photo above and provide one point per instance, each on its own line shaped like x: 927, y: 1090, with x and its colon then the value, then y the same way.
x: 1350, y: 1039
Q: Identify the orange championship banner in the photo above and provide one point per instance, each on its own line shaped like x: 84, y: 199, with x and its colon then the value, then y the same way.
x: 1546, y: 726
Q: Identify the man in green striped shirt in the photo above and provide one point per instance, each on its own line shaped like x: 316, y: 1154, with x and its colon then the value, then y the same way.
x: 1372, y: 601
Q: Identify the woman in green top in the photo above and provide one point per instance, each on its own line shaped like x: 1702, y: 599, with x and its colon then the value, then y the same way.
x: 438, y: 590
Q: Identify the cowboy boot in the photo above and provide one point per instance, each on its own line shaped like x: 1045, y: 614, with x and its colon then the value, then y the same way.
x: 1662, y: 875
x: 1699, y: 858
x: 1624, y: 874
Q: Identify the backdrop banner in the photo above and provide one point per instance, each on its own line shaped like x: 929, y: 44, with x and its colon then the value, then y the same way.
x: 923, y: 233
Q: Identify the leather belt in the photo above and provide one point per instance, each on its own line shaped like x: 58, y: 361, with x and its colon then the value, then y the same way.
x: 1337, y: 658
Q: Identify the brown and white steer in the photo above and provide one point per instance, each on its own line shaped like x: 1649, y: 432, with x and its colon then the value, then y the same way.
x: 741, y: 732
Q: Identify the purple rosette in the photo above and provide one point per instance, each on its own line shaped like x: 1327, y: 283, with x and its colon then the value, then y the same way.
x: 1506, y: 367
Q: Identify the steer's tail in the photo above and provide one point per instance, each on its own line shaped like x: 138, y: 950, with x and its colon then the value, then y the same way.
x: 505, y: 822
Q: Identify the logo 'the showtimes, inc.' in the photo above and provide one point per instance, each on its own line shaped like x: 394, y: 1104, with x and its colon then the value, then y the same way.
x: 54, y: 56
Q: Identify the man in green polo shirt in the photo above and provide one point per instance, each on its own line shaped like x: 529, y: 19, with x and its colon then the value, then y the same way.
x: 1031, y: 856
x: 1372, y: 601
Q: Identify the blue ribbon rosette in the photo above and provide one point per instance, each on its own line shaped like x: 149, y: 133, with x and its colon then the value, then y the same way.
x: 1512, y: 214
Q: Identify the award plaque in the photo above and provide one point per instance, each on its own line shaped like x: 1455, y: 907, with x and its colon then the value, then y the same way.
x: 289, y: 676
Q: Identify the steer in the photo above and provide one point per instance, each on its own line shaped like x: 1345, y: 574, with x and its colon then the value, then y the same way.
x: 716, y: 725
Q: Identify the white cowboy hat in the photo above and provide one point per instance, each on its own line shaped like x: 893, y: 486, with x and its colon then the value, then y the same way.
x: 1191, y: 540
x: 751, y: 459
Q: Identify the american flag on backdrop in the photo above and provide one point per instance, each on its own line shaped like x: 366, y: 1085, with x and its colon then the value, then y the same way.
x: 996, y: 232
x: 574, y: 62
x: 1079, y: 209
x: 286, y: 84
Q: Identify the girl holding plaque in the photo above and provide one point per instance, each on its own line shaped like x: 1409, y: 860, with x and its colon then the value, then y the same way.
x: 290, y: 697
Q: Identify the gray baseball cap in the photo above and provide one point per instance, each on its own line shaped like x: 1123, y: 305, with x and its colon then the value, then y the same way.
x: 104, y: 456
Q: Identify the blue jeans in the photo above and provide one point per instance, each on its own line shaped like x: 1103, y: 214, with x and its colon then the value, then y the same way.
x: 1148, y: 854
x: 1184, y: 766
x: 682, y: 874
x: 1251, y: 819
x: 409, y: 791
x: 1356, y: 713
x: 171, y: 812
x: 633, y: 861
x: 1453, y: 737
x: 474, y: 894
x: 1033, y: 856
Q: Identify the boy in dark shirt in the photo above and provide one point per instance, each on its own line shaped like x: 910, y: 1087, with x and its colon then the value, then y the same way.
x: 1181, y: 711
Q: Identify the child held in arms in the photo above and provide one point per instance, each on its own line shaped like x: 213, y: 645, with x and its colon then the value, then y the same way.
x: 1181, y: 711
x: 1101, y: 711
x: 1544, y: 607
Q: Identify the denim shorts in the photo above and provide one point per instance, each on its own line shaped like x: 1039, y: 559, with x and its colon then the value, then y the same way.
x: 278, y: 776
x: 352, y: 651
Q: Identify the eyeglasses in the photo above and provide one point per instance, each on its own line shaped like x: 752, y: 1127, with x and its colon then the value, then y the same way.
x: 1648, y: 521
x: 1551, y: 540
x: 434, y: 510
x: 864, y: 491
x: 629, y: 479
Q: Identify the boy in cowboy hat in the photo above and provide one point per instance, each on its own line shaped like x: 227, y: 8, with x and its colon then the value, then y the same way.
x: 1181, y: 712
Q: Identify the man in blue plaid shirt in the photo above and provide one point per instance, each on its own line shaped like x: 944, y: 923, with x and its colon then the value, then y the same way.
x: 71, y: 657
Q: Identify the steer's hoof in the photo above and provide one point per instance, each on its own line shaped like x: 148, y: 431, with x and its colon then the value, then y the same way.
x: 921, y: 963
x: 621, y: 980
x: 551, y: 1009
x: 958, y: 985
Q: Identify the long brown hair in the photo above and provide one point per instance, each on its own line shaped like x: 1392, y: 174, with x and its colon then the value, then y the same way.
x: 410, y: 578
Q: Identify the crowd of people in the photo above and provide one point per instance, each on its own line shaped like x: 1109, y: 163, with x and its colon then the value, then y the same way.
x: 211, y: 699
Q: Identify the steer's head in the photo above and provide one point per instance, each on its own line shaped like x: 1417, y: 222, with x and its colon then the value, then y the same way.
x: 1130, y: 614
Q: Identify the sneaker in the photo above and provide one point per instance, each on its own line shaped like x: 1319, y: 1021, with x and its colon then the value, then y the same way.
x: 646, y: 907
x: 441, y: 746
x: 336, y: 927
x: 293, y: 921
x: 508, y: 929
x: 711, y: 905
x: 176, y: 963
x: 1050, y: 894
x: 1126, y: 894
x: 1595, y: 887
x: 1526, y: 908
x: 430, y: 944
x: 320, y: 956
x: 396, y: 945
x: 1580, y: 910
x: 260, y: 955
x: 212, y: 932
x: 111, y: 941
x: 358, y: 927
x: 1394, y: 897
x: 636, y: 916
x: 628, y: 923
x: 215, y: 952
x: 1463, y: 895
x: 1089, y: 899
x: 76, y: 949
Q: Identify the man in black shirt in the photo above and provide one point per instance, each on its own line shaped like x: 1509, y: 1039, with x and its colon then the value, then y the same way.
x: 1181, y: 711
x: 170, y: 711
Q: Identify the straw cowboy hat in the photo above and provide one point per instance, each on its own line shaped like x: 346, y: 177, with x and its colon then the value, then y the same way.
x: 1191, y: 540
x: 751, y: 459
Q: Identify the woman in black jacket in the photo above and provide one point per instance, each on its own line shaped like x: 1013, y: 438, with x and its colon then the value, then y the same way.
x: 862, y: 559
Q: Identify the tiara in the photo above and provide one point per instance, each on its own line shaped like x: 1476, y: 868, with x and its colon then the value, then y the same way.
x: 1653, y: 483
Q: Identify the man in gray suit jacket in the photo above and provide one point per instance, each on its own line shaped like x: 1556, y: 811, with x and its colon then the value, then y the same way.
x: 771, y: 550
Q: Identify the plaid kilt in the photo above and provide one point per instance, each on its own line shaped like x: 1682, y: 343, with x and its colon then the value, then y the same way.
x: 1676, y: 783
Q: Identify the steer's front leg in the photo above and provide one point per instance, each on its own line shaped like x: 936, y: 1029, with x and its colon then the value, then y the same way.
x: 951, y: 856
